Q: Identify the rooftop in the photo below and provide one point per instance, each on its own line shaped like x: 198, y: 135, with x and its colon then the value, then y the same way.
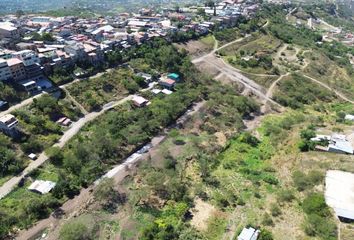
x: 13, y: 61
x: 42, y: 186
x: 339, y: 193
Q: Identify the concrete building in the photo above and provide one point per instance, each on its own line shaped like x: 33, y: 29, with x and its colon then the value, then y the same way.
x: 31, y: 62
x: 5, y: 73
x: 8, y: 125
x: 76, y: 50
x: 9, y: 30
x: 339, y: 193
x: 248, y: 234
x: 41, y: 186
x: 17, y: 69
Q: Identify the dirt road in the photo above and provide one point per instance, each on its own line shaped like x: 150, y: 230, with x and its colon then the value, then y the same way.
x: 74, y: 206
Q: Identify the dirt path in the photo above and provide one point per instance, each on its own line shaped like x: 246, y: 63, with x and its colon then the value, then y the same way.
x: 82, y: 109
x: 77, y: 205
x: 8, y: 186
x: 271, y: 89
x: 340, y: 95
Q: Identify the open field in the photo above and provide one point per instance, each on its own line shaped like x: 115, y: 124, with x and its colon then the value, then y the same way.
x: 254, y: 56
x: 93, y: 93
x: 198, y: 47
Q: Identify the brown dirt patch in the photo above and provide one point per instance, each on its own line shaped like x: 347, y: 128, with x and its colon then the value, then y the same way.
x: 201, y: 213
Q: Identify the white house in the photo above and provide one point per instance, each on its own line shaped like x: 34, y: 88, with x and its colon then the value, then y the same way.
x: 248, y: 234
x: 339, y: 193
x: 140, y: 101
x: 8, y: 125
x: 41, y: 186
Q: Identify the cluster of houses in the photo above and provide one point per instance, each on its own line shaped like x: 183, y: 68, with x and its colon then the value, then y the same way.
x: 25, y: 59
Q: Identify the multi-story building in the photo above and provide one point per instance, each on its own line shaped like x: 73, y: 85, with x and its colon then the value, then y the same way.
x: 9, y: 30
x: 5, y: 73
x: 31, y: 62
x: 76, y: 50
x: 17, y: 69
x: 8, y: 125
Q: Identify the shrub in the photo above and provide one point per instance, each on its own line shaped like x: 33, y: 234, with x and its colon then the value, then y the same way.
x: 267, y: 220
x: 275, y: 210
x: 315, y: 204
x: 74, y: 231
x: 265, y: 235
x: 300, y: 181
x: 286, y: 196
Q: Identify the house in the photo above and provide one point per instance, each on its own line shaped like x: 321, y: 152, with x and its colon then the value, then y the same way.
x: 64, y: 121
x: 340, y: 147
x: 147, y: 77
x: 349, y: 117
x: 9, y: 30
x: 174, y: 76
x: 339, y: 193
x: 167, y: 83
x: 31, y: 62
x: 41, y: 186
x: 29, y: 86
x: 5, y: 73
x: 8, y: 125
x: 76, y: 50
x: 17, y: 69
x: 248, y: 234
x: 140, y: 101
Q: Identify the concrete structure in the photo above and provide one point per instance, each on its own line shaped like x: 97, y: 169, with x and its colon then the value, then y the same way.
x: 9, y: 30
x: 5, y: 73
x: 140, y: 101
x: 41, y: 186
x: 339, y: 193
x: 8, y: 125
x: 29, y: 86
x: 31, y: 62
x: 17, y: 69
x: 248, y: 234
x: 76, y: 50
x: 349, y: 117
x: 167, y: 83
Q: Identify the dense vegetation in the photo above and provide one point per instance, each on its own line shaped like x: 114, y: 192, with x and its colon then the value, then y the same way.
x: 298, y: 91
x: 112, y: 137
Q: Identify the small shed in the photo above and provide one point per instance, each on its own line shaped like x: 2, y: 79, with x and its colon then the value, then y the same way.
x: 32, y: 156
x: 41, y: 186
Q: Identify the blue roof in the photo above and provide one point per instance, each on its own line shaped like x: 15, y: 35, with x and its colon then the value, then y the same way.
x: 173, y: 75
